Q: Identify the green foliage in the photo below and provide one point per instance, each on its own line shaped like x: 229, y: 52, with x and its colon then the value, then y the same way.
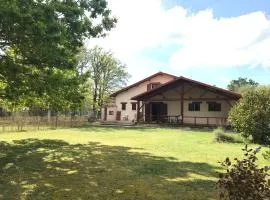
x: 244, y: 179
x: 266, y: 154
x: 107, y: 74
x: 49, y: 33
x: 39, y: 42
x: 251, y: 115
x: 49, y: 88
x: 242, y: 85
x: 221, y: 136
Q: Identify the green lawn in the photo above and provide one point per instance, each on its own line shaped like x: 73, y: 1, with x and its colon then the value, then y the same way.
x: 112, y: 163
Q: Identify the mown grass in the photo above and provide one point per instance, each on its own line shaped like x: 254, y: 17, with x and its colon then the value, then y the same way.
x: 112, y: 163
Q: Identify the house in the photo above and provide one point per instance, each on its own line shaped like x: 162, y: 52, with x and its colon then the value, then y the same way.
x: 165, y: 98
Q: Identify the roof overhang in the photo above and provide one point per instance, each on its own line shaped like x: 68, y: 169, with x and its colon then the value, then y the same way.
x: 139, y: 82
x: 181, y: 80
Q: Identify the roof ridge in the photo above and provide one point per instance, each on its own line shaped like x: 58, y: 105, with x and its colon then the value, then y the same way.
x: 190, y: 80
x: 141, y: 81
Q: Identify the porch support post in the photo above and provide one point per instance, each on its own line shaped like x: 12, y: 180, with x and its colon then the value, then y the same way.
x: 182, y: 104
x: 138, y: 111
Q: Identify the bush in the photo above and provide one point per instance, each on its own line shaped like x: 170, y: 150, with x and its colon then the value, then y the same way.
x: 266, y: 155
x: 251, y: 115
x: 221, y: 136
x: 243, y: 180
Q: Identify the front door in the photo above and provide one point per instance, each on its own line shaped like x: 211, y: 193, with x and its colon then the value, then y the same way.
x: 159, y: 111
x: 118, y: 115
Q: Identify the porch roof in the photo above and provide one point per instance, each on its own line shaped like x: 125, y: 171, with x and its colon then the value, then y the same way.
x: 181, y: 80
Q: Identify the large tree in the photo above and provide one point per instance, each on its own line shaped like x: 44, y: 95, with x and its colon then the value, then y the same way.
x: 106, y: 73
x: 242, y: 85
x: 39, y: 41
x: 48, y: 33
x: 251, y: 115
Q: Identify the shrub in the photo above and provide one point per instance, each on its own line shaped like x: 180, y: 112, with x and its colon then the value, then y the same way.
x: 221, y: 136
x: 243, y: 180
x: 251, y: 115
x: 266, y: 155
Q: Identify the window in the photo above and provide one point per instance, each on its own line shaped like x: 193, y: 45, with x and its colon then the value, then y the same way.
x: 134, y: 106
x: 194, y: 106
x: 154, y: 85
x: 110, y: 112
x: 214, y: 106
x: 124, y: 106
x: 151, y: 86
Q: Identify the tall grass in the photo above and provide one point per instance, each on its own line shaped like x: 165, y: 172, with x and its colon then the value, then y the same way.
x: 220, y: 135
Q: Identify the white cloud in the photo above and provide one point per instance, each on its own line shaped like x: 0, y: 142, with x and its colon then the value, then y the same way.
x: 204, y: 41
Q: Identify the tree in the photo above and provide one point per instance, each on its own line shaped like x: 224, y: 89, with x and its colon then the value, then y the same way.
x: 251, y: 115
x: 39, y: 41
x: 241, y: 85
x: 50, y: 89
x: 49, y: 33
x: 107, y: 74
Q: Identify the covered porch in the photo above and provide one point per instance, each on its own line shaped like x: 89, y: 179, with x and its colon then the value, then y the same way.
x: 185, y: 102
x: 157, y: 112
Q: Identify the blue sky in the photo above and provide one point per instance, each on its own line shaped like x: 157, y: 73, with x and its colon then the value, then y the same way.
x: 222, y: 8
x: 213, y: 41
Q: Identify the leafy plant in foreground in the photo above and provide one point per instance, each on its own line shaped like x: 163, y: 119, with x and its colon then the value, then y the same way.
x: 244, y: 180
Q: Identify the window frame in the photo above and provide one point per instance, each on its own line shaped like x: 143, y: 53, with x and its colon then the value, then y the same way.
x: 123, y: 105
x: 214, y: 107
x: 132, y: 106
x: 193, y: 108
x: 153, y: 85
x: 111, y: 112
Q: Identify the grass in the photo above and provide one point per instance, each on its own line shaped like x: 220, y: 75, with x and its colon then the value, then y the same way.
x: 112, y: 163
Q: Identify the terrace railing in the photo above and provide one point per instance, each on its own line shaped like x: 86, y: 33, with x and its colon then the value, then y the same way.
x: 187, y: 120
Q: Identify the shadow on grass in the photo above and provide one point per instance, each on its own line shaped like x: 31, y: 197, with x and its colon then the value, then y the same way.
x: 54, y: 169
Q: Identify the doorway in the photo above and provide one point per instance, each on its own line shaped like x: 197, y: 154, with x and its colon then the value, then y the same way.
x: 155, y: 111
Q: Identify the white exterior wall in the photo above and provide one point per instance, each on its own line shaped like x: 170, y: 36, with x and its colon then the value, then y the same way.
x: 111, y: 117
x: 125, y: 96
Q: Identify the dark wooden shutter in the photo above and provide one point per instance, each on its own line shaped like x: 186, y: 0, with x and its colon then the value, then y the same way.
x: 164, y: 110
x: 218, y: 107
x: 190, y: 107
x: 149, y: 86
x: 118, y: 115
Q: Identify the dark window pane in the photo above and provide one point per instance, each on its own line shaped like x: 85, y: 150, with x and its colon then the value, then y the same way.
x: 213, y: 106
x: 134, y: 105
x: 124, y: 105
x: 194, y: 106
x: 190, y: 107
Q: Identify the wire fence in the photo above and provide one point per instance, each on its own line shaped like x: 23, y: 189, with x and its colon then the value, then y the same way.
x: 26, y: 123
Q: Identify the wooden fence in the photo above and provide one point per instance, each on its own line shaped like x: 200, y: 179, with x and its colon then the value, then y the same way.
x: 25, y: 123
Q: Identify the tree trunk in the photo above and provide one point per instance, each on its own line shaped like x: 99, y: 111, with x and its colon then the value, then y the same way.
x: 49, y: 114
x: 95, y: 101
